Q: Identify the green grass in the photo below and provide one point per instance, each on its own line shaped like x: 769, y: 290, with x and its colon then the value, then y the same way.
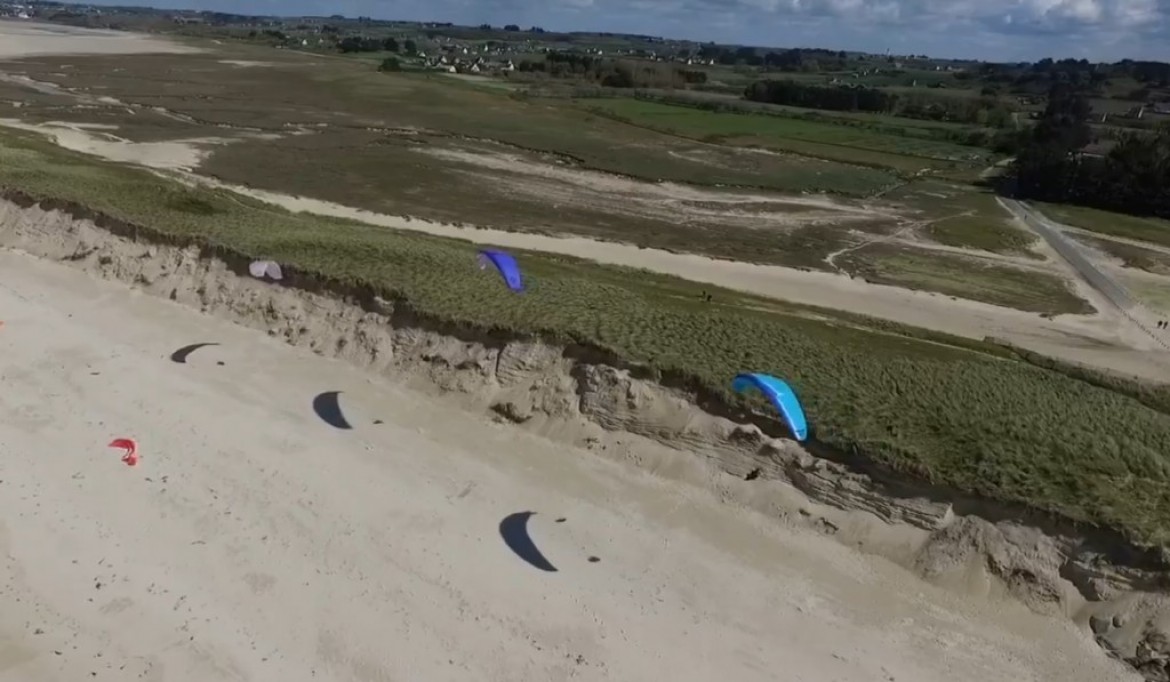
x: 973, y: 421
x: 831, y: 141
x: 900, y: 126
x: 961, y: 277
x: 1130, y: 255
x: 981, y: 232
x: 1150, y: 230
x: 965, y: 217
x: 351, y: 96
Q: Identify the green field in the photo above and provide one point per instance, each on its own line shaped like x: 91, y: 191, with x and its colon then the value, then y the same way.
x: 833, y: 141
x: 1130, y: 255
x: 1150, y: 230
x: 965, y: 217
x: 342, y: 96
x: 979, y: 422
x: 917, y: 268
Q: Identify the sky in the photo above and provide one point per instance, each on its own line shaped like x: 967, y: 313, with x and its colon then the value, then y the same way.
x: 992, y: 30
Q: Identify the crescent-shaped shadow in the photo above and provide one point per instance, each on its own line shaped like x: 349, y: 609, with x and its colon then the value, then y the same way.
x: 328, y: 409
x: 180, y: 355
x: 514, y: 531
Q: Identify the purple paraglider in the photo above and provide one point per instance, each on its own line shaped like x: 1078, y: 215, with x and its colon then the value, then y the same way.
x: 505, y: 264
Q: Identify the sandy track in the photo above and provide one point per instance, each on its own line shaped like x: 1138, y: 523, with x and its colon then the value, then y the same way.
x: 257, y: 542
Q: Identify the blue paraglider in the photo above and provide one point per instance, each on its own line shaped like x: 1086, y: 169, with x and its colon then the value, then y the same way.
x: 781, y: 395
x: 506, y: 264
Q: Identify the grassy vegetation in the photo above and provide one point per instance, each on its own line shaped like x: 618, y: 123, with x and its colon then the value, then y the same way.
x: 915, y: 268
x: 826, y: 140
x: 332, y: 94
x: 1131, y: 255
x: 1000, y: 428
x: 966, y: 218
x: 443, y: 149
x: 1149, y: 230
x: 888, y: 123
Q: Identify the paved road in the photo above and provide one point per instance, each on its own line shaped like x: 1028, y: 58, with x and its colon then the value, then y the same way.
x: 1116, y: 294
x: 1051, y: 232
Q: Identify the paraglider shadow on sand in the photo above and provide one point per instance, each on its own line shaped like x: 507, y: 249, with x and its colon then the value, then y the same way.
x: 514, y: 531
x: 328, y: 408
x: 180, y: 356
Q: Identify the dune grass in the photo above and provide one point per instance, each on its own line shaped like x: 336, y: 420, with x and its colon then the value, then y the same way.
x: 965, y: 217
x: 350, y: 95
x: 1109, y: 224
x: 934, y: 407
x: 963, y: 277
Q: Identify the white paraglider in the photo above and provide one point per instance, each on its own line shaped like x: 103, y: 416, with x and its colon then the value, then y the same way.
x: 262, y: 268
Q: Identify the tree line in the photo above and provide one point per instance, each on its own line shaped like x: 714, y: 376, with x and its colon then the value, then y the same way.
x: 1133, y: 177
x: 350, y: 44
x: 1092, y: 78
x: 984, y: 111
x: 613, y: 73
x: 796, y: 59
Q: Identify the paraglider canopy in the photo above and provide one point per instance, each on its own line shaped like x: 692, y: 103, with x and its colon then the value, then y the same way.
x: 130, y: 447
x: 505, y: 264
x: 782, y: 397
x: 261, y: 268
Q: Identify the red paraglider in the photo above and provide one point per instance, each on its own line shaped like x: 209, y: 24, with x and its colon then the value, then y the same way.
x: 131, y: 448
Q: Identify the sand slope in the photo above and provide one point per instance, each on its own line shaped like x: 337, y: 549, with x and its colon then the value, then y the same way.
x: 257, y: 542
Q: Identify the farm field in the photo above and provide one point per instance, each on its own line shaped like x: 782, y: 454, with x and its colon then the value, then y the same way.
x: 831, y: 141
x: 1104, y: 223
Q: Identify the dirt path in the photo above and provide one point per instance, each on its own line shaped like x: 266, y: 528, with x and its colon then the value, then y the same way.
x: 255, y: 541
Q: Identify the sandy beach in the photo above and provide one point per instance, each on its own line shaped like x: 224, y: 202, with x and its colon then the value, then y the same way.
x: 256, y: 541
x: 29, y: 39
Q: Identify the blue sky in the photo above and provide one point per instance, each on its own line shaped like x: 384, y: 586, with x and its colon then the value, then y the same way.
x: 1000, y: 30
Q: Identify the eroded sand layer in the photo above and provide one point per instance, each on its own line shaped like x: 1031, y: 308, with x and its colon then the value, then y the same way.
x: 257, y: 541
